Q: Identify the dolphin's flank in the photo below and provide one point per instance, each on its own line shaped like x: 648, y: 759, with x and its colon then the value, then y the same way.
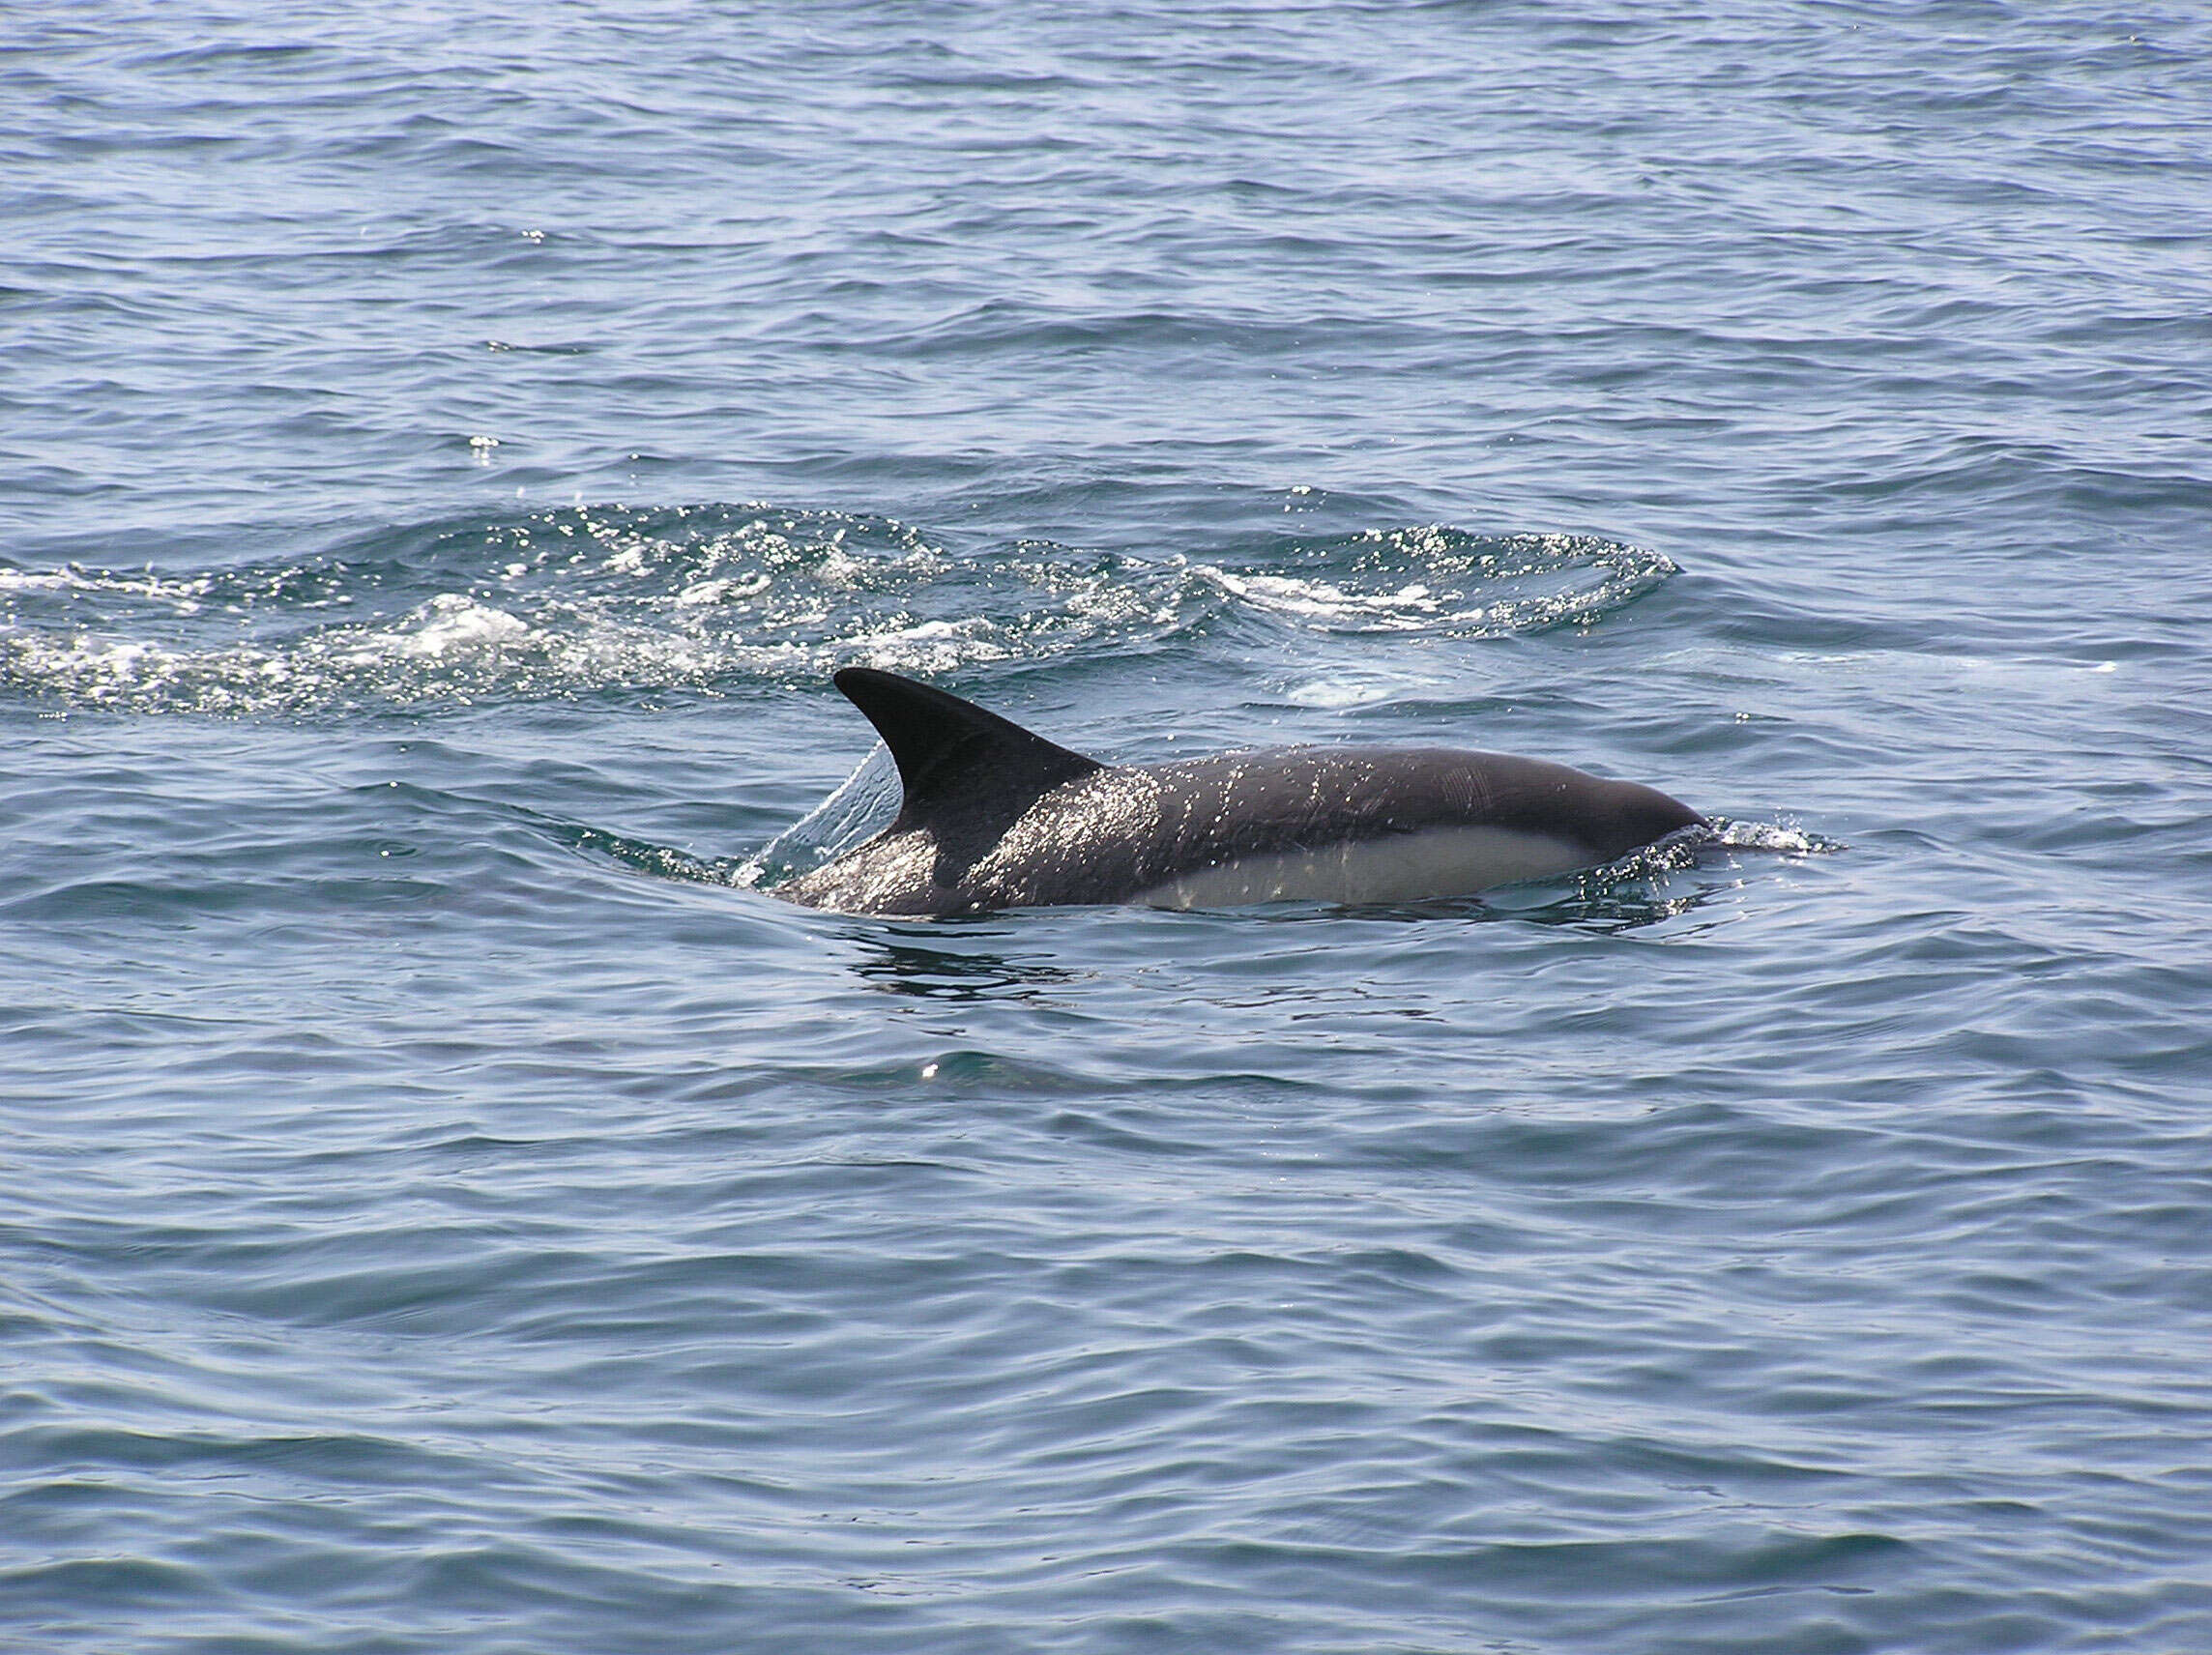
x: 996, y: 817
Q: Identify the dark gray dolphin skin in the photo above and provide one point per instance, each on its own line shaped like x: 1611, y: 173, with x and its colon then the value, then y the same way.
x: 995, y: 817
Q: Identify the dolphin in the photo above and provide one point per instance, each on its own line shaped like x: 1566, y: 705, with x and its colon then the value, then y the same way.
x: 997, y: 817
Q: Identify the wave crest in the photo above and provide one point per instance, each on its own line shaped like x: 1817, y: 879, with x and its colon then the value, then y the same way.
x: 712, y: 598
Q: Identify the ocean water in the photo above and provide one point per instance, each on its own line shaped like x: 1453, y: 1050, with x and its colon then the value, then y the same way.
x: 449, y: 1206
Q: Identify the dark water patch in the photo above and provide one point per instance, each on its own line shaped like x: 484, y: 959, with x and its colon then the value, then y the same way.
x: 120, y: 1584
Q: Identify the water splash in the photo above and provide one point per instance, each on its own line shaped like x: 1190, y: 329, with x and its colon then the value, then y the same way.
x: 1729, y: 835
x: 716, y: 597
x: 861, y: 806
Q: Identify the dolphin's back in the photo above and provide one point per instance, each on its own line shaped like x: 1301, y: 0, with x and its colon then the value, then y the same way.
x: 1316, y: 824
x: 995, y: 817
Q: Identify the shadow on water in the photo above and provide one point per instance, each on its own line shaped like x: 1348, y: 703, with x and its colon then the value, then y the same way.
x: 1603, y: 906
x: 917, y: 964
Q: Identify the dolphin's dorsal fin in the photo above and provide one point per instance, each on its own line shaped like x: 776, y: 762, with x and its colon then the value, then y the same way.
x: 963, y: 769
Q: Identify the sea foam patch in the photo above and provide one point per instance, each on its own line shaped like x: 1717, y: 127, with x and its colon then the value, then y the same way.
x: 713, y: 598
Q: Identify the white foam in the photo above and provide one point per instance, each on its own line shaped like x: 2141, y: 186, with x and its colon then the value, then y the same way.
x: 1411, y: 605
x: 182, y: 596
x: 1771, y: 836
x: 457, y: 625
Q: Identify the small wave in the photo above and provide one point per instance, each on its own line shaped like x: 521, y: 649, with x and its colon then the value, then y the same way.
x: 1448, y: 582
x: 184, y: 595
x: 662, y: 861
x: 711, y: 597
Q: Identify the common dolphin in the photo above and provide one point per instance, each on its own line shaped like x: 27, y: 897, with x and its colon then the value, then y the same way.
x: 996, y: 817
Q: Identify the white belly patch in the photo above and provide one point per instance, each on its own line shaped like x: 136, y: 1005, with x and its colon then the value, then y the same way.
x: 1403, y: 867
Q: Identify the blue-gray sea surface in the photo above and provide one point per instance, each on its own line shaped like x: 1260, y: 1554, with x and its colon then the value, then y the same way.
x: 449, y: 1206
